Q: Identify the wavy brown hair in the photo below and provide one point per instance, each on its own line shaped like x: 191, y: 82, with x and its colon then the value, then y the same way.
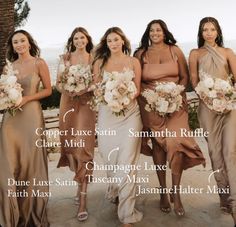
x: 102, y: 51
x: 34, y: 50
x: 219, y: 39
x: 145, y: 40
x: 70, y: 47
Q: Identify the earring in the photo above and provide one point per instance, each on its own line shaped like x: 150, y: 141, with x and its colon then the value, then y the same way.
x: 149, y: 42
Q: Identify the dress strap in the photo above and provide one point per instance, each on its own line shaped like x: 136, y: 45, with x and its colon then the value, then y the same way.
x: 173, y: 55
x: 35, y: 65
x: 145, y: 57
x: 131, y: 63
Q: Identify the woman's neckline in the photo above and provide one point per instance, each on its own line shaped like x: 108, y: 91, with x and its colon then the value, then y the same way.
x: 116, y: 71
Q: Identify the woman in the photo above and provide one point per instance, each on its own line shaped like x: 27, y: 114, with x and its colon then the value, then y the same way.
x: 218, y: 62
x: 76, y: 117
x: 112, y: 57
x: 25, y: 164
x: 163, y: 61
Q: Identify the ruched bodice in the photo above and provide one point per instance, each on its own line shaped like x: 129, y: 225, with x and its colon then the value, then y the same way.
x: 214, y: 63
x: 161, y: 72
x: 221, y: 128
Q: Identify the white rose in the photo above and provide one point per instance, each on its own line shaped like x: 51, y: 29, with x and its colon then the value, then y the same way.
x: 172, y: 108
x: 69, y: 88
x: 168, y: 87
x: 14, y: 94
x: 82, y: 70
x: 115, y: 93
x: 131, y: 87
x: 147, y: 108
x: 212, y: 94
x: 11, y: 80
x: 115, y: 75
x: 18, y: 101
x: 73, y: 69
x: 219, y: 105
x: 110, y: 85
x: 150, y: 96
x: 222, y: 85
x: 79, y: 87
x: 115, y: 106
x: 125, y: 101
x: 70, y: 80
x: 163, y: 106
x: 128, y: 75
x: 208, y: 82
x: 108, y: 97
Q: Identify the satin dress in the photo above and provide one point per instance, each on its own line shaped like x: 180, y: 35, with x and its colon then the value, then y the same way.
x: 168, y: 72
x: 23, y: 160
x: 80, y: 126
x: 222, y: 131
x: 120, y: 149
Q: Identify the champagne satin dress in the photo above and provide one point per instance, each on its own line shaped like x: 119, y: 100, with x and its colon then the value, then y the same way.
x: 21, y: 160
x: 120, y: 149
x: 168, y: 72
x: 81, y: 119
x: 222, y: 130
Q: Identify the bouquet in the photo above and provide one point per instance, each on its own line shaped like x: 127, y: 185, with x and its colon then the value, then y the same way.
x: 98, y: 97
x: 164, y: 99
x: 10, y: 90
x: 117, y: 90
x: 218, y: 95
x: 74, y: 78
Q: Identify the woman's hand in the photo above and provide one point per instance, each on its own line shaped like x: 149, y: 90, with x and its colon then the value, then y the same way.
x: 25, y: 99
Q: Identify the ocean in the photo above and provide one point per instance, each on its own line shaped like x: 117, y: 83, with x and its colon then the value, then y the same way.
x: 51, y: 55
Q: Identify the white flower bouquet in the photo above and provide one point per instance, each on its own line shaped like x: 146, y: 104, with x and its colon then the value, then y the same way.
x: 116, y: 91
x: 164, y: 99
x: 74, y: 78
x: 218, y: 95
x: 10, y: 90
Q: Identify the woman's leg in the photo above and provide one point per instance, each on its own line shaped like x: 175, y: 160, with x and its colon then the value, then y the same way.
x: 159, y: 158
x: 177, y: 163
x: 82, y: 211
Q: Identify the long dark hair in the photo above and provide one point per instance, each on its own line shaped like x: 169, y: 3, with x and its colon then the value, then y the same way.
x: 12, y: 55
x: 70, y: 45
x: 219, y: 39
x: 145, y: 41
x: 102, y: 51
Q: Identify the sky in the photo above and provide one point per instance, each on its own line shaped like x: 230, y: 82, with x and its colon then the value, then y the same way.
x: 52, y: 21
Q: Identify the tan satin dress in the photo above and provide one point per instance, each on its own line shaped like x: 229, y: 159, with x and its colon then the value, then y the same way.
x: 168, y: 72
x: 22, y: 160
x: 79, y: 120
x: 127, y: 155
x: 221, y: 128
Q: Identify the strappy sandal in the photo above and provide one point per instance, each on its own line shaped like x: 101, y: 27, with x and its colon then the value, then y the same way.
x: 82, y: 216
